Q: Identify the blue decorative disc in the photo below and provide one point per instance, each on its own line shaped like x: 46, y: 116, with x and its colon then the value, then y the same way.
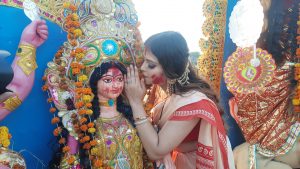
x: 111, y: 102
x: 110, y: 47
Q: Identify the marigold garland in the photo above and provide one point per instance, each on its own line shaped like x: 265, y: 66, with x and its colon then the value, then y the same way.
x: 5, y: 137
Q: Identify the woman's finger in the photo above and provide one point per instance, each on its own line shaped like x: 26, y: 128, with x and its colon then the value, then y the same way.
x: 128, y: 73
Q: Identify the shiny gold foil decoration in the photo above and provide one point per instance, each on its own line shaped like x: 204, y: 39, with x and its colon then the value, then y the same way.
x: 212, y: 47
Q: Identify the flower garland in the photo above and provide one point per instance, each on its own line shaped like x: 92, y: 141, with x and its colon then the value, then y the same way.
x: 296, y: 99
x: 82, y: 124
x: 72, y: 26
x: 5, y: 137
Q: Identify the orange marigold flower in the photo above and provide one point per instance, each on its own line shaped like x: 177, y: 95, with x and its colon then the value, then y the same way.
x: 79, y: 105
x: 73, y: 8
x: 83, y: 120
x: 62, y: 140
x: 45, y: 87
x: 83, y: 128
x: 57, y: 131
x: 76, y: 24
x: 52, y: 109
x: 49, y: 100
x: 91, y: 124
x: 86, y: 138
x: 73, y: 42
x: 71, y: 160
x: 93, y: 142
x: 66, y: 149
x: 55, y: 120
x: 79, y: 50
x: 44, y: 78
x: 82, y: 112
x: 98, y: 163
x: 86, y: 146
x: 88, y: 105
x: 77, y: 96
x: 78, y: 84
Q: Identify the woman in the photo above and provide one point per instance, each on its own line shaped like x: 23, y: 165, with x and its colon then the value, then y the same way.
x: 189, y: 120
x: 118, y: 145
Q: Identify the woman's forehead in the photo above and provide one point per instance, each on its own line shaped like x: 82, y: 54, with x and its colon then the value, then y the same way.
x: 150, y: 56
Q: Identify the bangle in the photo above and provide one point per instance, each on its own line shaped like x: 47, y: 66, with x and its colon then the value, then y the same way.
x: 141, y: 118
x: 141, y: 121
x: 12, y: 103
x: 27, y: 58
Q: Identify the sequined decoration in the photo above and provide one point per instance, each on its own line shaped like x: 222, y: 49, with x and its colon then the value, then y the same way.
x: 210, y: 62
x: 110, y: 47
x: 241, y: 77
x: 49, y: 9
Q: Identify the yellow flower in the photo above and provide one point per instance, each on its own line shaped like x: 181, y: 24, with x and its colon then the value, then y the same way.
x: 6, y: 143
x: 75, y: 17
x: 77, y: 32
x: 82, y: 78
x: 296, y: 102
x: 89, y: 112
x: 66, y: 5
x: 95, y: 151
x: 4, y: 129
x: 92, y: 130
x: 87, y: 98
x: 3, y: 135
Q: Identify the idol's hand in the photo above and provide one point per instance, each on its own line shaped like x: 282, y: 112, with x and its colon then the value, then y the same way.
x: 35, y: 33
x: 134, y: 87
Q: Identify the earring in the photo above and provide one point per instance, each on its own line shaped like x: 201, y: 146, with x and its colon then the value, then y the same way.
x: 171, y: 86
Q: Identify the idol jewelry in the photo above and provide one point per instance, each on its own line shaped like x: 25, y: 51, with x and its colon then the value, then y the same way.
x: 27, y: 60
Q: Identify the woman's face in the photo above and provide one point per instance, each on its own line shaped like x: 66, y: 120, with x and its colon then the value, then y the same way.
x: 152, y: 70
x: 111, y: 85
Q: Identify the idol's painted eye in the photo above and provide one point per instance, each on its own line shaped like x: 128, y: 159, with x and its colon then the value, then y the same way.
x: 107, y: 80
x: 120, y: 79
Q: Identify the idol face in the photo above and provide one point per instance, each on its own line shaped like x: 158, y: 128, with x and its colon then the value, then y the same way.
x: 111, y: 84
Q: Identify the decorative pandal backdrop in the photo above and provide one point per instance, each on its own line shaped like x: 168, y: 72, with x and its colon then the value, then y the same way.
x: 49, y: 9
x: 212, y: 47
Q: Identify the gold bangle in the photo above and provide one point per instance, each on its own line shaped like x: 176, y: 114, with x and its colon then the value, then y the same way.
x: 27, y: 58
x: 12, y: 103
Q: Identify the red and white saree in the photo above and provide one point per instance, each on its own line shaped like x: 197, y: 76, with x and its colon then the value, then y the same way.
x: 213, y: 150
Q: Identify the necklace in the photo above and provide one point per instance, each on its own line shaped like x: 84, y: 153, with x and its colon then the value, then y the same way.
x: 108, y: 103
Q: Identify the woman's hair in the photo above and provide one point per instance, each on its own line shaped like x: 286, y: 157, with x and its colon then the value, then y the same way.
x: 171, y: 50
x: 280, y: 38
x: 122, y: 107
